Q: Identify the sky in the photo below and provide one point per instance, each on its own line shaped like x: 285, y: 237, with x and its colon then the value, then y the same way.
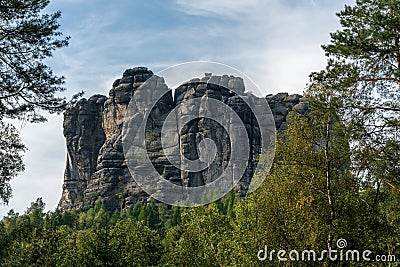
x: 277, y: 43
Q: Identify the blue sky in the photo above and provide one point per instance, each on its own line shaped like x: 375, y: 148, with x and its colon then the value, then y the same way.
x: 275, y: 42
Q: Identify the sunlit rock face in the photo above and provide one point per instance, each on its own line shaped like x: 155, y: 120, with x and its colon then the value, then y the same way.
x: 96, y: 167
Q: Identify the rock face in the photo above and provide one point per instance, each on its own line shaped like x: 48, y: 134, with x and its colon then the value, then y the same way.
x: 85, y: 136
x: 96, y: 167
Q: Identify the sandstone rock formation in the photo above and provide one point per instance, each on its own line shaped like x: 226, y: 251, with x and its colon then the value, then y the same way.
x: 93, y: 130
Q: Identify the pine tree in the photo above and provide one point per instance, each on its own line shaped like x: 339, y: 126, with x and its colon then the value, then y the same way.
x: 363, y: 72
x: 27, y: 85
x: 11, y: 150
x: 363, y: 80
x: 27, y: 37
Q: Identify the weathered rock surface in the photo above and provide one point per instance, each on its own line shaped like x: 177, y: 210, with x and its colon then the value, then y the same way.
x: 96, y: 166
x: 85, y: 136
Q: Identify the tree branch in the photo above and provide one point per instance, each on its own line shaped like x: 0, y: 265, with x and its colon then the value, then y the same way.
x: 14, y: 94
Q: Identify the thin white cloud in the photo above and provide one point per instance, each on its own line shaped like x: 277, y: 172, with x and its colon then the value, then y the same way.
x: 223, y: 8
x: 276, y: 44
